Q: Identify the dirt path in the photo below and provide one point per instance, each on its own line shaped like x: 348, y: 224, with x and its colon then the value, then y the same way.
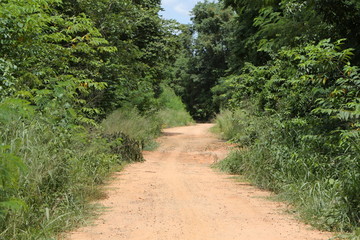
x: 175, y: 195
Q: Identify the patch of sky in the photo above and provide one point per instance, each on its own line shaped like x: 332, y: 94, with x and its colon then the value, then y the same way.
x: 178, y: 10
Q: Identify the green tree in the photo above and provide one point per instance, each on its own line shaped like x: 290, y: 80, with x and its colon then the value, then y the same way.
x: 204, y: 58
x: 46, y: 57
x: 145, y: 44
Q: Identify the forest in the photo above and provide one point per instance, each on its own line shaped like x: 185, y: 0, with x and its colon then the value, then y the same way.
x: 86, y: 85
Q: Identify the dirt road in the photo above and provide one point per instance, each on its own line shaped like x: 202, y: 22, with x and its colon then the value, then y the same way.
x: 175, y: 195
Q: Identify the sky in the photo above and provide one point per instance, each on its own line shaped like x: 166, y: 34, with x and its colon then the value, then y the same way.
x: 178, y: 9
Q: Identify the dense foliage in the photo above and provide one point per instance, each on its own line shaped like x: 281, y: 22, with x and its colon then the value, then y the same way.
x: 203, y: 59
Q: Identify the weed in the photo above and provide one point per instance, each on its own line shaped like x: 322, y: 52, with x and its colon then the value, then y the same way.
x: 142, y: 128
x: 172, y: 112
x: 51, y: 172
x: 286, y: 156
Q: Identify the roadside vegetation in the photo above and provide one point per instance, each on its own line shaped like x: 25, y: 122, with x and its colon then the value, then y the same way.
x: 48, y: 172
x: 144, y: 128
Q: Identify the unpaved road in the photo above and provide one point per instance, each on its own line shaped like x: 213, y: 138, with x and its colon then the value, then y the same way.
x: 175, y: 195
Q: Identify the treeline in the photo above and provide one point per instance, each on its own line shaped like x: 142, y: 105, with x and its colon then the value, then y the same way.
x: 64, y: 67
x: 285, y: 76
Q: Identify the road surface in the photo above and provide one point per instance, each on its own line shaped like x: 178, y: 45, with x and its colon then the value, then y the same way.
x: 174, y: 194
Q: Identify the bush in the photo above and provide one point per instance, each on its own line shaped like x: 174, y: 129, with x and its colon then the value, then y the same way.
x: 301, y: 134
x: 233, y: 125
x: 169, y: 100
x: 172, y: 111
x: 173, y: 118
x: 287, y: 156
x: 142, y: 128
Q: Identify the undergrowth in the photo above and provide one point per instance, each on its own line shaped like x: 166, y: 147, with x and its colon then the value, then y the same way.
x: 145, y: 127
x: 48, y: 172
x: 51, y: 168
x: 319, y: 178
x: 172, y: 110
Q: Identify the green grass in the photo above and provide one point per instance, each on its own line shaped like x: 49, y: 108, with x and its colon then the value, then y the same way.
x: 321, y: 180
x: 143, y: 128
x: 172, y: 111
x: 147, y: 126
x: 50, y: 172
x: 349, y: 236
x: 62, y: 170
x: 173, y: 118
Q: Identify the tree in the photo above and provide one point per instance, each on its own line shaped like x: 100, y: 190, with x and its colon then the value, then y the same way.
x: 205, y: 60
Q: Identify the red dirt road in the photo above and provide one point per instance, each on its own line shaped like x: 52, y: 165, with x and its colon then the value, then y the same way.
x: 175, y: 195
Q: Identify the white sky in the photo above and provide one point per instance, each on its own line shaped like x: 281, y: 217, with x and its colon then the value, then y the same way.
x: 178, y: 9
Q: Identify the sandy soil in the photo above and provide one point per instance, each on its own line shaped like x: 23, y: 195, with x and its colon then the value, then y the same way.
x: 176, y: 195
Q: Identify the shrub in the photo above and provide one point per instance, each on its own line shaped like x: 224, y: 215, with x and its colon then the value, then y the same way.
x: 48, y: 171
x: 172, y: 111
x: 287, y: 156
x: 142, y: 128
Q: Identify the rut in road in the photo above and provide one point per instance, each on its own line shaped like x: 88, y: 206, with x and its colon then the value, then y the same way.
x: 174, y: 194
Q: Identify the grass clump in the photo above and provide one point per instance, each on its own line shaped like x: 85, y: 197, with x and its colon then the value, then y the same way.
x: 173, y: 118
x: 230, y: 126
x: 349, y: 236
x: 142, y: 128
x: 172, y: 110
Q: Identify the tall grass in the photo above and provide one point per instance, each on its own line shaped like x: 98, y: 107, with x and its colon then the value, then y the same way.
x: 50, y: 170
x: 62, y: 170
x: 230, y: 126
x: 173, y: 118
x: 143, y: 128
x: 172, y: 110
x: 320, y: 179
